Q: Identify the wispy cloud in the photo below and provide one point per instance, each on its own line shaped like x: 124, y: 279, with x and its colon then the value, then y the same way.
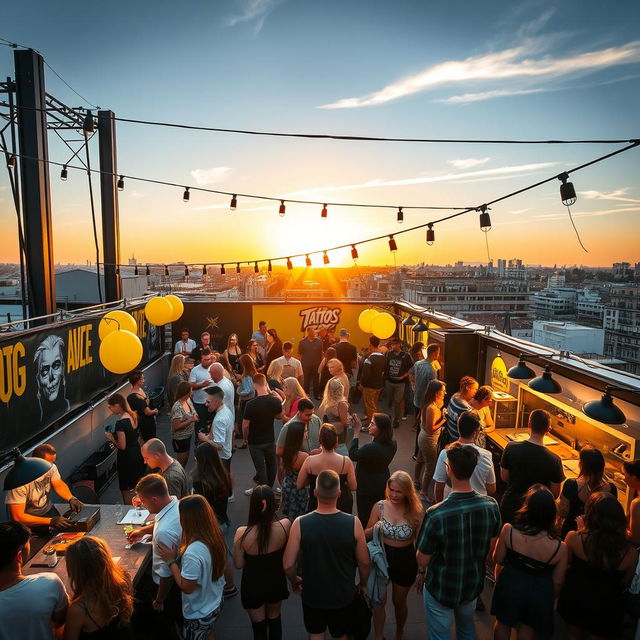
x: 210, y: 176
x: 136, y: 195
x: 466, y: 98
x: 618, y: 195
x: 468, y: 163
x: 255, y: 11
x: 496, y: 173
x: 516, y: 62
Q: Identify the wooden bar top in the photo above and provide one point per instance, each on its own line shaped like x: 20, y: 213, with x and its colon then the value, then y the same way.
x: 569, y: 456
x: 134, y: 560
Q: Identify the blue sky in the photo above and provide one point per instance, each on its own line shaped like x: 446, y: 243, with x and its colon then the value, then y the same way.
x: 415, y: 69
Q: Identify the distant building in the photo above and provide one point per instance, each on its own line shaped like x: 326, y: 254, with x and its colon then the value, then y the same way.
x: 79, y: 287
x: 568, y: 336
x: 621, y: 270
x: 590, y: 307
x: 622, y: 326
x: 552, y: 303
x: 556, y: 280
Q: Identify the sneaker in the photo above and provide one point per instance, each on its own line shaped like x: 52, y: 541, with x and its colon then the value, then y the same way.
x: 248, y: 492
x: 229, y: 592
x: 278, y: 490
x: 231, y: 498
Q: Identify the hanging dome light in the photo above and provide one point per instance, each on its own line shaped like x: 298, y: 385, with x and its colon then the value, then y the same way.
x: 420, y: 326
x: 521, y: 371
x: 24, y: 471
x: 408, y: 321
x: 545, y: 383
x: 604, y: 410
x: 567, y: 190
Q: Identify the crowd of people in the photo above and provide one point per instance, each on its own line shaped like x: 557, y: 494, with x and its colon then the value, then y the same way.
x: 551, y: 546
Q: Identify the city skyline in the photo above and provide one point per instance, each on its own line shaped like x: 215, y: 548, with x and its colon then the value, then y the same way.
x: 533, y: 72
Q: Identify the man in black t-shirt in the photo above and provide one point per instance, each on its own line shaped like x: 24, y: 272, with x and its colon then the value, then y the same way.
x: 346, y: 352
x: 257, y: 430
x: 310, y: 350
x: 527, y: 463
x: 397, y: 367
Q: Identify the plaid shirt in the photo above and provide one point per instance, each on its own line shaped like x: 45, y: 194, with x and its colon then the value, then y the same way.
x: 456, y: 534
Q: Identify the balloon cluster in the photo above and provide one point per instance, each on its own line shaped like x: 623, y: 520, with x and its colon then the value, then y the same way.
x: 382, y: 325
x: 120, y: 347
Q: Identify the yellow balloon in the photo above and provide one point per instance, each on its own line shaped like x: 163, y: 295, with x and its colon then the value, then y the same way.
x: 365, y: 319
x: 176, y: 305
x: 383, y: 325
x: 158, y: 311
x: 120, y: 352
x: 123, y: 321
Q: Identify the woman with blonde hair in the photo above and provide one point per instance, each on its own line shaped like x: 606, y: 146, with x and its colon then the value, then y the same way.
x: 231, y: 357
x: 334, y: 409
x: 102, y: 601
x: 481, y: 404
x: 198, y: 566
x: 328, y: 458
x: 125, y: 436
x: 175, y: 376
x: 336, y: 369
x: 293, y: 393
x: 398, y: 518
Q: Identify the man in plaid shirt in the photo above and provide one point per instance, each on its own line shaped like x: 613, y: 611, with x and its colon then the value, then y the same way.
x: 454, y: 540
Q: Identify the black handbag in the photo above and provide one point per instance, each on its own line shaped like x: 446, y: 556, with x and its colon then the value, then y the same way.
x: 361, y: 618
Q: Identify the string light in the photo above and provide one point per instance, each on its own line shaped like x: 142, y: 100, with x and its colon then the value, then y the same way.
x: 307, y: 260
x: 289, y: 264
x: 269, y: 267
x: 234, y: 202
x: 393, y: 246
x: 237, y: 267
x: 166, y: 270
x: 121, y: 183
x: 11, y: 161
x: 282, y: 210
x: 223, y: 271
x: 185, y: 195
x: 354, y: 252
x: 325, y: 258
x: 567, y: 191
x: 204, y: 270
x: 431, y: 235
x: 256, y: 269
x: 323, y: 213
x: 400, y: 215
x: 186, y: 271
x: 135, y: 271
x: 485, y: 219
x: 64, y: 173
x: 88, y: 126
x: 148, y: 271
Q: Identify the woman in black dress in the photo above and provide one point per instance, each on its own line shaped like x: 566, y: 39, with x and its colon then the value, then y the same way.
x: 273, y: 347
x: 257, y: 550
x: 139, y: 401
x: 530, y: 566
x: 601, y: 566
x: 372, y: 470
x: 125, y: 437
x: 576, y: 491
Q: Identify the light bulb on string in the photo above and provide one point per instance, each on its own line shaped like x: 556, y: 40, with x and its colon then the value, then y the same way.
x: 393, y: 246
x: 185, y: 195
x: 222, y: 270
x: 307, y: 260
x: 567, y: 190
x: 88, y: 126
x: 325, y: 258
x: 121, y: 183
x: 400, y: 215
x: 64, y: 173
x: 431, y: 235
x: 234, y: 202
x: 237, y: 267
x: 323, y: 213
x: 485, y: 219
x: 148, y: 271
x: 269, y: 267
x: 166, y: 270
x: 11, y: 161
x: 282, y: 210
x: 256, y: 268
x: 186, y: 271
x: 354, y: 252
x: 204, y: 269
x: 135, y: 270
x: 289, y: 264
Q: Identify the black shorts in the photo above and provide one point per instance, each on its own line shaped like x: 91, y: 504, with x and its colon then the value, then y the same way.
x: 403, y: 566
x: 182, y: 446
x: 338, y: 620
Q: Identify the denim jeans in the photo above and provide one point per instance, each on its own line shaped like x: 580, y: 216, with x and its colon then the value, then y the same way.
x: 395, y: 392
x: 440, y: 619
x: 264, y: 460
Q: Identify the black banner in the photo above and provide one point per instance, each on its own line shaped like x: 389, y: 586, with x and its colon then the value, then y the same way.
x: 49, y: 372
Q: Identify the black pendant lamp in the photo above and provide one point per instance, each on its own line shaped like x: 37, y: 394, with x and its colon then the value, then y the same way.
x: 408, y: 321
x: 24, y: 471
x: 545, y: 383
x: 420, y: 327
x: 521, y: 371
x: 604, y: 410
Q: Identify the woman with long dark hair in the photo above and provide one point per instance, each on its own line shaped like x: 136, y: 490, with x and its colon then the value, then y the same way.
x: 273, y: 347
x: 254, y: 351
x: 399, y: 517
x: 373, y: 460
x: 530, y: 565
x: 246, y: 391
x: 432, y: 418
x: 198, y: 567
x: 294, y: 501
x: 257, y: 550
x: 139, y: 402
x: 576, y: 491
x: 602, y: 563
x: 212, y: 480
x: 102, y: 601
x: 125, y: 438
x: 183, y: 417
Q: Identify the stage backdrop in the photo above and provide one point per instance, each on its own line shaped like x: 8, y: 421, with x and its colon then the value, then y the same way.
x: 48, y: 372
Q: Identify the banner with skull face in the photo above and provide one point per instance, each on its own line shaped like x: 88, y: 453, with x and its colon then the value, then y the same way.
x: 48, y: 373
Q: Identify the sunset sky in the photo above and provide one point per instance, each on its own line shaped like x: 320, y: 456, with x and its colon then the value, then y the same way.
x: 533, y: 70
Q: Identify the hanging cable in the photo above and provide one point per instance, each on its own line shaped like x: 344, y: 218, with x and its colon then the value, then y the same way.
x: 93, y: 220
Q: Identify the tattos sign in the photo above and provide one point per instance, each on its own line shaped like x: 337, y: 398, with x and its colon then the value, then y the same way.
x: 320, y: 318
x: 46, y: 373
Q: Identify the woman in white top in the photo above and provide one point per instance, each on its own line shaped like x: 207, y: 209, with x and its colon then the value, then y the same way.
x: 198, y: 567
x: 481, y: 403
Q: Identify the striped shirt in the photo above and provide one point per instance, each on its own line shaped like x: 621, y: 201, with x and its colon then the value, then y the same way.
x: 456, y: 534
